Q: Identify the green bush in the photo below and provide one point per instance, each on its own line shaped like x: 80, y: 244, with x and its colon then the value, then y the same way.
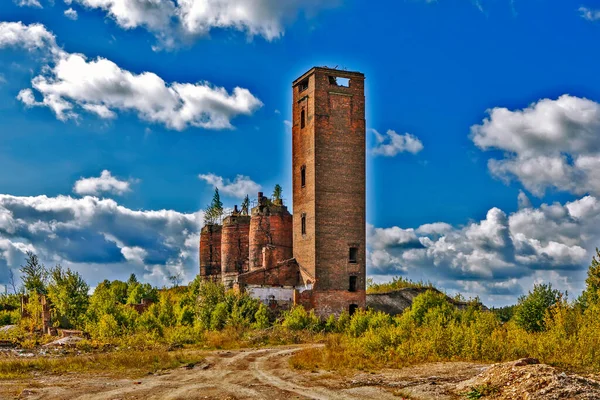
x: 531, y: 310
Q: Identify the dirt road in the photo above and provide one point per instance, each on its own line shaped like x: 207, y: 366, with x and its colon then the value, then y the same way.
x: 252, y: 374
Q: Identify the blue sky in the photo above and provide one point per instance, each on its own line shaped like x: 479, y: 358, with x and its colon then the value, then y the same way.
x: 148, y: 94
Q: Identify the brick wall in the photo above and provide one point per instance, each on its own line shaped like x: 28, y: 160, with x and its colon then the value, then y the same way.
x: 210, y: 252
x: 332, y: 146
x: 234, y: 247
x: 271, y: 225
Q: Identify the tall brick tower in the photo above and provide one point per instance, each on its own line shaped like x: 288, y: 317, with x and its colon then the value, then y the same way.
x: 328, y: 148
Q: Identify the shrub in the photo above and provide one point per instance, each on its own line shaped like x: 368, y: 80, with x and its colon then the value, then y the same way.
x: 298, y: 319
x: 531, y: 309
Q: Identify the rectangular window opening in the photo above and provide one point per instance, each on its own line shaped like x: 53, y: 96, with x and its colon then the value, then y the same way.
x: 304, y: 224
x: 303, y: 176
x: 352, y: 287
x: 353, y: 256
x: 352, y: 309
x: 337, y: 81
x: 302, y: 86
x: 302, y: 119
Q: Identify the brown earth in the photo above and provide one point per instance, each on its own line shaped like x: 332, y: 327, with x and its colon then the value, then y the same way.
x: 265, y: 374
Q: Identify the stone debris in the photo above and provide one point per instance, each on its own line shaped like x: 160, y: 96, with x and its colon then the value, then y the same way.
x: 68, y: 341
x: 6, y: 328
x: 527, y: 379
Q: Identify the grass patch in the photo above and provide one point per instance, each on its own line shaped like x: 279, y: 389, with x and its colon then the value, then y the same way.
x: 123, y: 363
x: 396, y: 283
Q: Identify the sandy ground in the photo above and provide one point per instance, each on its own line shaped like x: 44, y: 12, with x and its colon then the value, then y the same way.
x: 265, y: 374
x: 251, y: 374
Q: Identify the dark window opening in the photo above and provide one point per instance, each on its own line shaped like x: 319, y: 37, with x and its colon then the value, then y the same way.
x: 303, y: 176
x: 337, y: 81
x: 353, y: 256
x: 302, y: 86
x: 352, y: 286
x: 304, y: 224
x: 352, y: 309
x: 210, y: 253
x: 302, y: 119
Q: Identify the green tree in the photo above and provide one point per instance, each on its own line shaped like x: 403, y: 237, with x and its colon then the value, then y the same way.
x: 214, y: 211
x: 34, y: 274
x: 277, y: 193
x: 531, y: 309
x: 132, y: 279
x: 245, y: 206
x: 591, y: 294
x: 140, y: 291
x: 68, y: 294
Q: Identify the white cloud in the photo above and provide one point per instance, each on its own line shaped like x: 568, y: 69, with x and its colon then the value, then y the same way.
x: 239, y: 187
x: 28, y: 3
x: 497, y: 256
x: 71, y: 14
x: 176, y: 20
x: 550, y: 144
x: 98, y: 237
x: 30, y: 37
x: 105, y: 183
x: 391, y: 143
x: 589, y: 14
x: 71, y: 83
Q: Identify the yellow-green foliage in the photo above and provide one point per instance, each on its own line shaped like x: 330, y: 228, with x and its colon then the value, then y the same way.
x: 396, y: 283
x: 434, y: 330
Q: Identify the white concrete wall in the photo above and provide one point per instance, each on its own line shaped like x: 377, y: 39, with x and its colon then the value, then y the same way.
x: 268, y: 294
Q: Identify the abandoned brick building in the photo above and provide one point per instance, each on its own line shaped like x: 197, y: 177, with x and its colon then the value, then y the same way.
x: 317, y: 257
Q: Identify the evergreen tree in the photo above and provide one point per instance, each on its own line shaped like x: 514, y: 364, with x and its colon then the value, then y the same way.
x: 277, y: 192
x: 245, y: 205
x: 34, y: 275
x: 214, y: 211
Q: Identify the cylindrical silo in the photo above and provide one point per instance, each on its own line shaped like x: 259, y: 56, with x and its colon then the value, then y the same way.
x: 271, y: 225
x: 210, y: 252
x: 234, y: 247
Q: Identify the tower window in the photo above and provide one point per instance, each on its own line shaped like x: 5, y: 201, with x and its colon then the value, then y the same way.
x: 303, y: 175
x: 304, y: 224
x: 337, y: 81
x: 210, y: 253
x: 352, y: 286
x: 302, y: 86
x: 353, y: 256
x: 302, y: 119
x: 352, y: 309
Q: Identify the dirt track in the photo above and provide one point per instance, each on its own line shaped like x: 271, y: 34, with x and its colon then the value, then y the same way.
x: 253, y: 374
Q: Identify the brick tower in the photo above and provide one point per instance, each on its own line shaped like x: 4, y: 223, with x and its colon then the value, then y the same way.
x: 328, y: 148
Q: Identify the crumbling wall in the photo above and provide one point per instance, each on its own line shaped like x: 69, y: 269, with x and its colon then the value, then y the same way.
x: 210, y: 252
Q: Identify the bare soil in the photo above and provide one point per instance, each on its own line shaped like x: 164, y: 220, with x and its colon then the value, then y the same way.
x: 265, y: 374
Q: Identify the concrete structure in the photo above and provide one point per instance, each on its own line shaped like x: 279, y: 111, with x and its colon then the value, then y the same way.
x: 318, y: 257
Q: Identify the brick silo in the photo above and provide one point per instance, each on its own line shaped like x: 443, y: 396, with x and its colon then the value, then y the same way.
x: 271, y: 226
x: 234, y: 247
x: 210, y: 252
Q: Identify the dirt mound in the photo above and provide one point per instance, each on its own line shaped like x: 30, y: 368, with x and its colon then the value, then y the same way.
x: 527, y: 379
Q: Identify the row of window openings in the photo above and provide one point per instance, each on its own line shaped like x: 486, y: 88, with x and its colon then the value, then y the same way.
x: 333, y: 80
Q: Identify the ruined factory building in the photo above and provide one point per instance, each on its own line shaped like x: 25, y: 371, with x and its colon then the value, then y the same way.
x: 316, y: 257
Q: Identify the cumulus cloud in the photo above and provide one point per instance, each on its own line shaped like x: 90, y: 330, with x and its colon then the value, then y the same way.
x: 98, y: 237
x: 391, y: 143
x: 71, y: 14
x: 175, y: 20
x: 239, y: 187
x: 550, y: 144
x: 589, y: 14
x: 72, y: 83
x: 105, y: 183
x: 497, y: 256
